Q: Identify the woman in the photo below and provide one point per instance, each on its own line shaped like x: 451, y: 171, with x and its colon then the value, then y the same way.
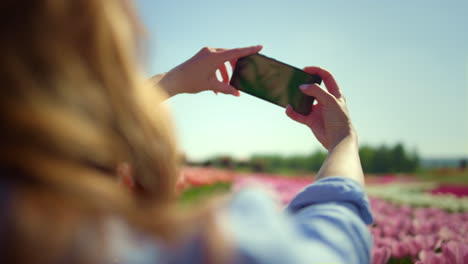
x: 75, y: 108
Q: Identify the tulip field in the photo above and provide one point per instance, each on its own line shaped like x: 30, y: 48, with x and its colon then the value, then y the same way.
x: 415, y: 221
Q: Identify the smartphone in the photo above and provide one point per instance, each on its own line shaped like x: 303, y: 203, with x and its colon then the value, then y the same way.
x: 274, y: 81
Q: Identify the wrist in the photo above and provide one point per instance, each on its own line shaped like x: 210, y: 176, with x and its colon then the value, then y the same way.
x: 168, y: 83
x: 349, y: 137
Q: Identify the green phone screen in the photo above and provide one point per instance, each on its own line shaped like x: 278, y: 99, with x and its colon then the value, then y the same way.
x: 273, y: 81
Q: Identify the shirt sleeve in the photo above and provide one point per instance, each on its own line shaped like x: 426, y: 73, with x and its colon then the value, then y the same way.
x: 324, y: 223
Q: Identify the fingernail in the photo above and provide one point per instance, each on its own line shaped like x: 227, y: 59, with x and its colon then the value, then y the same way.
x: 304, y: 86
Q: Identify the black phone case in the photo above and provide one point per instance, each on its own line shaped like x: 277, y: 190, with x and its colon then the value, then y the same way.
x: 254, y: 83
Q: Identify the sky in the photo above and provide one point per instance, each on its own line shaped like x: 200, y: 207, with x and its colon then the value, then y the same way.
x: 402, y: 65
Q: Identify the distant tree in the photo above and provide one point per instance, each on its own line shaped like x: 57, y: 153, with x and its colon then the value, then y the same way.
x: 226, y: 162
x: 415, y: 161
x: 366, y: 153
x: 463, y: 164
x: 259, y: 165
x: 207, y: 163
x: 274, y: 162
x: 315, y: 161
x: 295, y: 162
x: 269, y: 163
x: 398, y: 162
x: 385, y: 159
x: 381, y: 160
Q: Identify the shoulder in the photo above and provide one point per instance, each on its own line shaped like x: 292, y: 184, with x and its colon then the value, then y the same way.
x: 341, y: 191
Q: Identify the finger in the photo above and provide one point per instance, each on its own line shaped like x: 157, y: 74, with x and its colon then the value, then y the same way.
x: 322, y: 96
x: 295, y: 115
x: 327, y: 78
x: 224, y: 74
x: 233, y: 64
x: 226, y: 89
x: 206, y: 50
x: 237, y: 53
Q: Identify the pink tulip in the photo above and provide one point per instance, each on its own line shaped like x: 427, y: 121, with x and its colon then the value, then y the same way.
x: 390, y: 230
x: 399, y: 249
x: 445, y: 233
x: 413, y: 247
x: 465, y: 216
x: 380, y: 255
x: 455, y: 252
x: 403, y: 223
x: 430, y: 257
x: 406, y: 209
x: 376, y: 232
x: 424, y: 226
x: 379, y: 218
x: 383, y: 242
x: 426, y: 242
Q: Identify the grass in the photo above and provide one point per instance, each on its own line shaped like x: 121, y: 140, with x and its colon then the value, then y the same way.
x: 406, y: 260
x: 444, y: 176
x: 199, y: 193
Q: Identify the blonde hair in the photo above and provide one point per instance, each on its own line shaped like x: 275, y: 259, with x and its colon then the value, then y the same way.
x: 73, y: 107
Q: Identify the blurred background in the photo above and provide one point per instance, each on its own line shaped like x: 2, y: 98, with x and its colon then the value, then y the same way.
x: 403, y: 67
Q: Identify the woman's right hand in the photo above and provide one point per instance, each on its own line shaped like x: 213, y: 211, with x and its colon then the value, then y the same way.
x: 329, y: 120
x: 198, y: 74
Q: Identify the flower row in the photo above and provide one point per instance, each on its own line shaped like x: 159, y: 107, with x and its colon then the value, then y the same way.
x: 417, y: 195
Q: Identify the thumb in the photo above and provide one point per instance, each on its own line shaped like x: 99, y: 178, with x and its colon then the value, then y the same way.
x: 322, y: 96
x: 226, y: 88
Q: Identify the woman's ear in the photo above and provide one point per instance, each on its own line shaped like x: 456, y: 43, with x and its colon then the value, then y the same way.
x: 125, y: 176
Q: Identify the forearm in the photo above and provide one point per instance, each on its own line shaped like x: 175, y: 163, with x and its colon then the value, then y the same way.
x: 162, y: 81
x: 343, y: 160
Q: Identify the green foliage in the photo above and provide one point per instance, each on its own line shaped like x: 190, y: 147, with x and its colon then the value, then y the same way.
x: 406, y: 260
x: 385, y: 159
x: 296, y: 163
x: 196, y: 194
x: 381, y: 159
x: 447, y: 176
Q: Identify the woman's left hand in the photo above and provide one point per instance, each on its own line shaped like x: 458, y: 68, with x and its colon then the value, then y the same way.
x: 199, y: 72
